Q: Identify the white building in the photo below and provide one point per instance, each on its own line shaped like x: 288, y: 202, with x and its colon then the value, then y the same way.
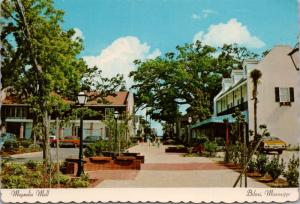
x: 278, y: 105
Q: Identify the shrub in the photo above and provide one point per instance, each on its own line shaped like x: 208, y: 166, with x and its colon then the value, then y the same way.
x: 14, y: 181
x: 90, y: 150
x: 4, y: 163
x: 251, y: 166
x: 10, y: 144
x: 34, y: 148
x: 35, y: 179
x: 262, y: 163
x: 292, y: 173
x: 32, y: 164
x: 85, y: 177
x: 60, y: 178
x: 101, y: 146
x: 202, y: 139
x: 233, y: 153
x: 274, y: 168
x: 210, y: 147
x: 17, y: 169
x: 220, y: 141
x: 79, y: 183
x: 25, y: 143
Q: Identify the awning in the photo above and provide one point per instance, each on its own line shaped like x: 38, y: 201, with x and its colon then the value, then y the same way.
x: 219, y: 119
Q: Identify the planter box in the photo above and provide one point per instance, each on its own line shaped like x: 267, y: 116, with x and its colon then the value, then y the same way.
x: 100, y: 159
x: 130, y: 154
x: 125, y: 158
x: 176, y: 150
x: 141, y: 158
x: 104, y: 163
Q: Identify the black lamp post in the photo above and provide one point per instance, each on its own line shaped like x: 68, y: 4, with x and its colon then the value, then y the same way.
x: 82, y: 97
x: 189, y: 130
x: 294, y: 54
x: 116, y: 116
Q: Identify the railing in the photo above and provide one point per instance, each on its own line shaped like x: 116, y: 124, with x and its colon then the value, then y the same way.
x: 241, y: 107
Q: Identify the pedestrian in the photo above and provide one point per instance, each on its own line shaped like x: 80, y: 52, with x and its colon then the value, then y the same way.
x: 148, y: 140
x: 158, y: 142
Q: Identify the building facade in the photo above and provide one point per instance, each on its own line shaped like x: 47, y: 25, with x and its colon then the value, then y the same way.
x: 17, y: 119
x: 278, y: 105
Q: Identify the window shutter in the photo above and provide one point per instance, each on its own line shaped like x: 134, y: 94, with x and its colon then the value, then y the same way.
x: 292, y: 94
x: 277, y: 99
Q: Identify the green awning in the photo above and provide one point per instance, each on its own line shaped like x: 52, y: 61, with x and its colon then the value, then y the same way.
x: 219, y: 119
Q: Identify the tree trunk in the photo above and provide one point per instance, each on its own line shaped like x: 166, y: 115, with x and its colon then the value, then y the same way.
x: 33, y: 129
x: 255, y: 110
x: 45, y: 135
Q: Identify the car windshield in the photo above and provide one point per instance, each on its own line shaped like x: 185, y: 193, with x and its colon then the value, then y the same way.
x: 92, y: 138
x: 271, y: 138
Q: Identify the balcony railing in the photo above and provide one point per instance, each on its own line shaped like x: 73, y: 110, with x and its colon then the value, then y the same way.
x: 241, y: 107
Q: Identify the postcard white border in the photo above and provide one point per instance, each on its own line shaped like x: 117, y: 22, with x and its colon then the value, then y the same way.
x: 226, y: 195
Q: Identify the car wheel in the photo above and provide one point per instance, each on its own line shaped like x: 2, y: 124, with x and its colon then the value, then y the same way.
x: 279, y: 151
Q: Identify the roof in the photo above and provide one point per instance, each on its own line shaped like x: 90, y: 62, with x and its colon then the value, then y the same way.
x: 119, y: 99
x: 232, y: 87
x: 219, y: 119
x: 11, y: 100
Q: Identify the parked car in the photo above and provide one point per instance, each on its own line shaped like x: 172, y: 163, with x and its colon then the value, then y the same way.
x: 7, y: 137
x: 69, y: 141
x: 90, y: 140
x: 53, y: 140
x: 269, y: 144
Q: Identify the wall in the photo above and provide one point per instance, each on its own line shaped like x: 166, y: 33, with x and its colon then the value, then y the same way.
x: 277, y: 71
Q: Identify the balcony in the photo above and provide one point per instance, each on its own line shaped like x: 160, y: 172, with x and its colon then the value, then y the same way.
x: 242, y: 107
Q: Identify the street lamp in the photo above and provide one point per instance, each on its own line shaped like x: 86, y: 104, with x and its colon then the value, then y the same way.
x: 294, y: 54
x: 116, y: 116
x: 82, y: 97
x: 189, y: 130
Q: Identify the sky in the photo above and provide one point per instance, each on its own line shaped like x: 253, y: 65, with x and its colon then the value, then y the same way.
x: 116, y: 32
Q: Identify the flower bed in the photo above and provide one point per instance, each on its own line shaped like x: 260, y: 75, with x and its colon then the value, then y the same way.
x: 35, y: 174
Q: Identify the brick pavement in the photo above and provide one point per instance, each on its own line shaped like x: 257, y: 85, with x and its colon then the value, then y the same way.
x: 171, y: 170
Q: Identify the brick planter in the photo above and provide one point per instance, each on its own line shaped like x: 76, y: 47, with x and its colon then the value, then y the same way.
x: 176, y: 150
x: 104, y: 163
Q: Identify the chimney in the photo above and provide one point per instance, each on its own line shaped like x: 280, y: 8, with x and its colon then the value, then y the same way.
x: 226, y: 83
x: 248, y: 65
x: 237, y: 75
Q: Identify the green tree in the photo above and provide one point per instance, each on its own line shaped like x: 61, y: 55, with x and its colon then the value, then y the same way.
x: 41, y: 64
x: 47, y: 57
x: 189, y: 76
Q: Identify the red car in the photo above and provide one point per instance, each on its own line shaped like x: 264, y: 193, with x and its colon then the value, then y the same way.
x: 66, y: 141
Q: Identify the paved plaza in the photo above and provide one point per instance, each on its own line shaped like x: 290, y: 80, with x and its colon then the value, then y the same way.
x: 170, y: 170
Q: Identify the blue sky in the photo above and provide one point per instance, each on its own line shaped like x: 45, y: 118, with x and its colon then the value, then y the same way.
x: 115, y: 32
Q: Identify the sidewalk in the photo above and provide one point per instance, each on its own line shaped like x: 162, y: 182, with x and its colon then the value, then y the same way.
x: 171, y: 170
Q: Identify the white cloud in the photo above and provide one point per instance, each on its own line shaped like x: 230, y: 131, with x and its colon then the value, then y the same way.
x: 229, y: 33
x: 78, y: 33
x: 196, y: 16
x: 118, y: 57
x: 204, y: 14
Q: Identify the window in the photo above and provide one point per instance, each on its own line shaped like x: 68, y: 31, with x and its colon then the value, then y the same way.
x: 284, y: 95
x: 109, y: 111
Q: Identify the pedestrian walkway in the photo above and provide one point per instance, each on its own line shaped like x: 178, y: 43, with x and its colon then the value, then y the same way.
x: 170, y: 170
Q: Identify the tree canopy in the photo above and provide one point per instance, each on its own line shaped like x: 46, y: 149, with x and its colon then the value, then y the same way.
x: 189, y: 76
x: 40, y: 60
